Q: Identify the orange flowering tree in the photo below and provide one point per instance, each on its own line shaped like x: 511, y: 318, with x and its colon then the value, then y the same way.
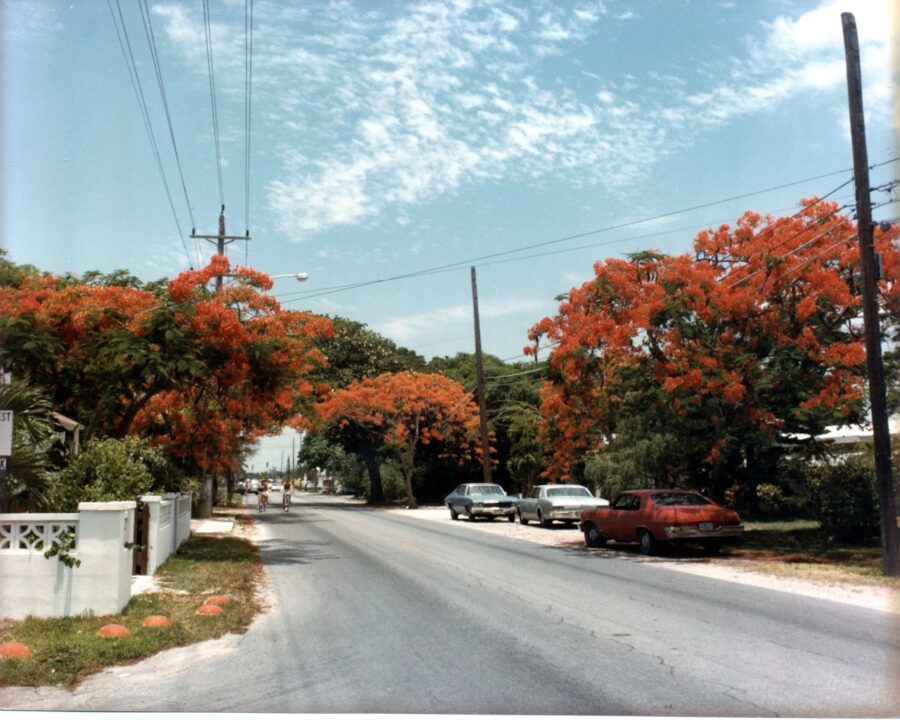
x: 202, y: 373
x: 722, y: 353
x: 399, y: 413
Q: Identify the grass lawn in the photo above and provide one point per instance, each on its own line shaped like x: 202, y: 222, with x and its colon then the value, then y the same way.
x: 800, y: 549
x: 67, y: 649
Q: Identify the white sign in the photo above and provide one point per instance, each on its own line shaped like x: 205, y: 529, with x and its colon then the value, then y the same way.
x: 6, y: 434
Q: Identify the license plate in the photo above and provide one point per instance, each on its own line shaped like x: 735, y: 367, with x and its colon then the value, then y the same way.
x: 706, y: 527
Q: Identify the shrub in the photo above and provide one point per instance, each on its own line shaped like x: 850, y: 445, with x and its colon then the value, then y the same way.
x: 845, y: 497
x: 112, y: 469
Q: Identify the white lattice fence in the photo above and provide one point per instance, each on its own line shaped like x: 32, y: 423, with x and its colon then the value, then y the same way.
x: 35, y: 532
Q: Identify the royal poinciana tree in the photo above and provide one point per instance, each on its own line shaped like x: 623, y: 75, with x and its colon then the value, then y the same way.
x: 718, y: 355
x: 399, y: 413
x: 199, y: 372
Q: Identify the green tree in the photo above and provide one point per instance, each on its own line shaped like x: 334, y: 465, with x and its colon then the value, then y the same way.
x: 354, y: 352
x: 115, y: 469
x: 35, y: 434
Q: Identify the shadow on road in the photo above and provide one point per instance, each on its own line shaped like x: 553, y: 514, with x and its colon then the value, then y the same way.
x: 285, y: 552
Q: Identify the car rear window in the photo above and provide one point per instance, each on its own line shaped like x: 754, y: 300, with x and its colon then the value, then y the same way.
x: 486, y: 490
x: 568, y: 492
x: 679, y: 499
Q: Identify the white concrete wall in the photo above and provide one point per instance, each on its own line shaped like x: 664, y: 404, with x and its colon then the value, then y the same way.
x: 161, y: 535
x: 35, y: 585
x: 31, y: 584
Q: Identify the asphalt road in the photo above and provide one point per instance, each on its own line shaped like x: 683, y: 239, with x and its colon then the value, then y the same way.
x: 375, y: 612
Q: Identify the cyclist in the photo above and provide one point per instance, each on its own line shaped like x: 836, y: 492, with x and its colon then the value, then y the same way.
x: 263, y: 496
x: 286, y: 495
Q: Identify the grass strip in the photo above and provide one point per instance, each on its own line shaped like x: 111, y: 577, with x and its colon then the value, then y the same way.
x: 65, y: 650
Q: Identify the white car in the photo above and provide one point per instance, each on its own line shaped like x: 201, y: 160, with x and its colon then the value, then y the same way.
x: 547, y: 503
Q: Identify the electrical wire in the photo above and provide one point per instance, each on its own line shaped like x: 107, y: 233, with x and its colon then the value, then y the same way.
x: 248, y: 98
x: 151, y: 43
x: 137, y: 87
x: 478, y: 260
x: 207, y: 27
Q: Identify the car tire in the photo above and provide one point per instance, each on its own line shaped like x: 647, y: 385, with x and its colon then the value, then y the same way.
x: 453, y: 514
x: 592, y: 536
x: 712, y: 547
x: 542, y: 520
x: 470, y: 514
x: 511, y: 517
x: 647, y: 542
x: 522, y: 518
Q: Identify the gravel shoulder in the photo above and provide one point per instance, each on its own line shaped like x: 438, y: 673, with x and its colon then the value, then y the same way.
x: 876, y: 598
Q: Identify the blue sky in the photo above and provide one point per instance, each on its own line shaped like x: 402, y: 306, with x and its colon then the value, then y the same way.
x: 389, y: 138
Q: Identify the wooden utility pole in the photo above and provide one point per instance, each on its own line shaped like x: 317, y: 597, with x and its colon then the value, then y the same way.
x: 479, y: 373
x: 874, y: 364
x: 220, y: 240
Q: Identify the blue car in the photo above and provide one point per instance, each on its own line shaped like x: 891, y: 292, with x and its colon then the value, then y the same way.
x: 481, y: 500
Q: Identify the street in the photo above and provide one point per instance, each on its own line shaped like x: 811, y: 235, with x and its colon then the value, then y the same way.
x: 376, y: 612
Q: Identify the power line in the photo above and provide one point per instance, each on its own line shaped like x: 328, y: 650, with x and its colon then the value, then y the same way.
x: 151, y: 42
x: 462, y: 263
x: 248, y: 96
x: 128, y: 55
x: 212, y: 96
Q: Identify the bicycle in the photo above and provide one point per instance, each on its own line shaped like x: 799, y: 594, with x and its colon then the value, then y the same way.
x: 262, y: 500
x: 285, y: 499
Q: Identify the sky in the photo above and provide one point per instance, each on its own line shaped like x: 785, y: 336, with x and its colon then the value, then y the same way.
x: 394, y: 145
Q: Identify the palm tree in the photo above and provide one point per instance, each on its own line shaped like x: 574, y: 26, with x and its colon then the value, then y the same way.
x: 34, y: 434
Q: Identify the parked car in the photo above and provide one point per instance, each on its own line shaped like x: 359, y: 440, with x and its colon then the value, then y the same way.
x: 240, y: 487
x: 547, y: 503
x: 481, y: 500
x: 652, y: 517
x: 253, y: 485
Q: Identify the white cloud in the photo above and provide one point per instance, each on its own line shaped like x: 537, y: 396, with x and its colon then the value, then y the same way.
x: 384, y: 108
x: 407, y: 328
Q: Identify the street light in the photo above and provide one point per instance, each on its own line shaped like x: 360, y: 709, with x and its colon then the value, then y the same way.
x: 301, y: 276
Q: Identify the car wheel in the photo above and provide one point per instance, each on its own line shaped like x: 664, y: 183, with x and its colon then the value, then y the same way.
x: 592, y: 536
x: 647, y: 542
x: 511, y: 517
x: 712, y: 547
x: 453, y: 514
x: 470, y: 514
x: 522, y: 518
x: 543, y: 521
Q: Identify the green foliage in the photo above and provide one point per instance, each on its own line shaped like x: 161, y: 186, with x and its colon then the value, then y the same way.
x: 114, y: 469
x: 637, y: 457
x: 34, y: 440
x: 356, y: 352
x: 62, y: 549
x: 845, y: 498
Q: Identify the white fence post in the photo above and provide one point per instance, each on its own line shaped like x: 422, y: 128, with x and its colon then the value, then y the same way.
x: 103, y: 580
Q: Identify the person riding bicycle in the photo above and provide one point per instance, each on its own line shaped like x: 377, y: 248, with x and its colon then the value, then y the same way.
x: 263, y: 498
x: 286, y: 494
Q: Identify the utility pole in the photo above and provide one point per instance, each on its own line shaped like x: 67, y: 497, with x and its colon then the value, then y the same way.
x: 877, y: 396
x: 220, y: 240
x: 479, y: 372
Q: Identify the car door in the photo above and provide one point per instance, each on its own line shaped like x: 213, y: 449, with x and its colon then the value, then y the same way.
x: 528, y: 504
x: 621, y: 514
x: 457, y: 498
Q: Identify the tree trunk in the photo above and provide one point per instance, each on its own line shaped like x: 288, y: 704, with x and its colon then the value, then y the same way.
x: 376, y: 491
x: 409, y: 464
x: 229, y: 480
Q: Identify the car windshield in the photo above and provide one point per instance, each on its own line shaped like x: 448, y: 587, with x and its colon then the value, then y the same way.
x: 679, y: 499
x: 576, y: 491
x: 486, y: 490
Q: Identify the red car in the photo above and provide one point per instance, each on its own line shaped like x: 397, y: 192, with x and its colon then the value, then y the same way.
x: 652, y: 517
